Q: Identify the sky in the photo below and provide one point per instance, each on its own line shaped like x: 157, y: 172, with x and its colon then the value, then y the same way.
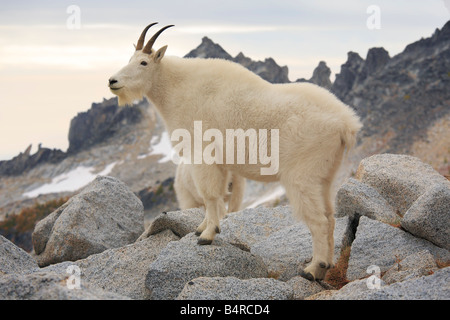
x: 56, y: 56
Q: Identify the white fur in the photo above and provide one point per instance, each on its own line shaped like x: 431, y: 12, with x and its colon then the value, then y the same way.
x: 314, y: 129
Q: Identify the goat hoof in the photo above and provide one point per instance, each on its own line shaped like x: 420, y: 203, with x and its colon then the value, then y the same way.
x: 203, y: 242
x: 324, y: 265
x: 198, y: 233
x: 217, y: 230
x: 307, y: 276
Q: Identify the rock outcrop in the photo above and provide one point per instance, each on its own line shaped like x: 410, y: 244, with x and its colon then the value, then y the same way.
x: 26, y: 161
x: 321, y: 76
x: 184, y: 260
x: 350, y: 70
x: 104, y: 215
x: 101, y: 122
x: 50, y: 286
x: 14, y: 260
x: 391, y: 191
x: 400, y: 179
x: 428, y: 217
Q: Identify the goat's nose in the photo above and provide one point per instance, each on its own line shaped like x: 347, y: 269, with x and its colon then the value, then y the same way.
x: 112, y: 81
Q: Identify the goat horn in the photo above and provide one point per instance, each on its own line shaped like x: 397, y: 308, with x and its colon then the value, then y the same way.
x: 149, y: 45
x: 140, y: 43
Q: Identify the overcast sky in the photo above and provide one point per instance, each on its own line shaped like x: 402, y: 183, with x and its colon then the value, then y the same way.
x: 56, y: 56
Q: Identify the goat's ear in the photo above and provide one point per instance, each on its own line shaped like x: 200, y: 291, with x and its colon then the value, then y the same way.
x: 159, y: 54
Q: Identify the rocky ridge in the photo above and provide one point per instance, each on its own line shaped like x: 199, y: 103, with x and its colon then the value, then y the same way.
x: 268, y: 69
x: 399, y: 98
x: 259, y: 252
x: 25, y: 160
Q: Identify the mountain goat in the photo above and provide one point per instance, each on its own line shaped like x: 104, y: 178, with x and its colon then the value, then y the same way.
x: 311, y: 126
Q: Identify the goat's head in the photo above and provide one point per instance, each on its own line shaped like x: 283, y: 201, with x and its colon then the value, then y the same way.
x: 136, y: 78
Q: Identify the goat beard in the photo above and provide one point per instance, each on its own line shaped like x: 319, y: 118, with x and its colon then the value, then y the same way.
x: 127, y: 97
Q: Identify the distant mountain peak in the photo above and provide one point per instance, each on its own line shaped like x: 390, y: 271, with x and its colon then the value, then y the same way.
x: 209, y: 49
x: 267, y: 69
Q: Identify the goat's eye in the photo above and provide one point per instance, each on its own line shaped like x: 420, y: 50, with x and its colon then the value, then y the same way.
x: 143, y: 63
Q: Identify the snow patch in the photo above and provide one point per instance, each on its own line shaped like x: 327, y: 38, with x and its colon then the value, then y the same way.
x: 70, y: 181
x: 163, y: 147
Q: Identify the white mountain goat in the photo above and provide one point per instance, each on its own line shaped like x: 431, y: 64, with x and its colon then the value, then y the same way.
x: 312, y: 126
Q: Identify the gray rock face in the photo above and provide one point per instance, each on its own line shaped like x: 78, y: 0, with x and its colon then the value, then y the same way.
x: 26, y: 161
x: 14, y: 260
x: 355, y: 198
x: 304, y: 288
x: 347, y: 77
x: 433, y: 287
x: 247, y: 227
x: 101, y: 122
x: 179, y: 222
x: 400, y: 189
x: 376, y: 60
x: 49, y: 286
x: 400, y: 179
x: 379, y: 244
x: 120, y: 270
x: 321, y: 75
x: 106, y: 214
x: 429, y: 216
x: 43, y: 229
x: 355, y: 290
x: 413, y: 266
x: 231, y: 288
x: 184, y: 260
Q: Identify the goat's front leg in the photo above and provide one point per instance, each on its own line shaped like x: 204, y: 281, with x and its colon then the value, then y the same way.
x: 211, y: 183
x: 215, y: 208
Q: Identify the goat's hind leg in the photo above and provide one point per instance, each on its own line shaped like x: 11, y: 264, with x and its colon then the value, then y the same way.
x: 308, y: 205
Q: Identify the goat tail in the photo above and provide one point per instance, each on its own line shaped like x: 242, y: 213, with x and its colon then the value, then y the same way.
x: 349, y: 131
